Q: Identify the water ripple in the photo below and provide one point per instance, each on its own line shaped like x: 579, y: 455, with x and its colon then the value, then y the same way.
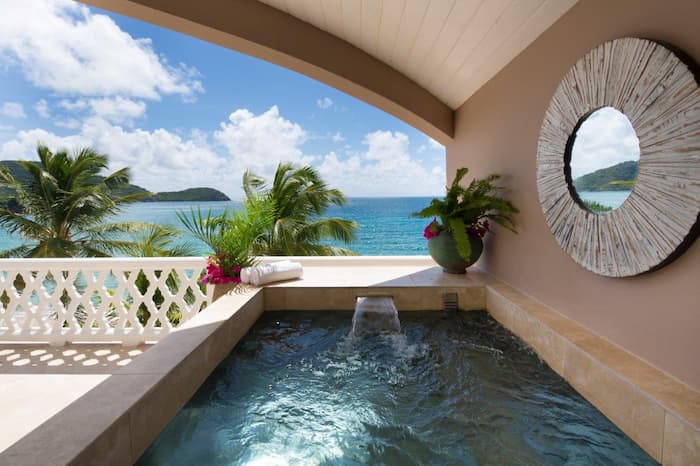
x: 450, y: 389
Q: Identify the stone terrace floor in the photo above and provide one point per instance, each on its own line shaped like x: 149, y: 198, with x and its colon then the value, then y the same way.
x: 37, y: 381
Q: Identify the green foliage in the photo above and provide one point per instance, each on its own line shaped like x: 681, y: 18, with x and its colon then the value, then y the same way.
x: 21, y: 175
x: 233, y: 237
x: 463, y: 208
x: 65, y: 203
x: 619, y: 177
x: 299, y: 198
x: 596, y: 207
x: 155, y: 240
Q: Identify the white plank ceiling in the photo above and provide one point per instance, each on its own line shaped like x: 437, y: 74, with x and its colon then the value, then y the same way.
x: 450, y: 47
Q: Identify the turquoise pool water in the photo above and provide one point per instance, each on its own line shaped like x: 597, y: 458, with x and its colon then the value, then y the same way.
x: 450, y: 389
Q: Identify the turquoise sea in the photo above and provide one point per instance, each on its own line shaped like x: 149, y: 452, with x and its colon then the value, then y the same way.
x: 612, y: 199
x: 386, y: 225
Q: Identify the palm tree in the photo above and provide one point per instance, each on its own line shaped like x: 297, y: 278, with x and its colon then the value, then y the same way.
x: 154, y: 240
x: 65, y: 203
x: 300, y: 199
x: 233, y: 236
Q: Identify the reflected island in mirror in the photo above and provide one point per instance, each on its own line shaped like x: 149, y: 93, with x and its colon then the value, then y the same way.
x: 602, y: 160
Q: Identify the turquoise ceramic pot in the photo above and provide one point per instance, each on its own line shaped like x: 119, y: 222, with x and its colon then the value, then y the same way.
x: 443, y: 250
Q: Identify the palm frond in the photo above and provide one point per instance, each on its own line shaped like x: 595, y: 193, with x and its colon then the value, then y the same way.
x: 206, y: 228
x: 300, y: 198
x: 461, y: 237
x: 65, y: 202
x: 480, y: 200
x: 19, y: 251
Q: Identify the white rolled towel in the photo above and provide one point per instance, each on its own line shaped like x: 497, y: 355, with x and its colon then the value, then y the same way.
x: 268, y: 273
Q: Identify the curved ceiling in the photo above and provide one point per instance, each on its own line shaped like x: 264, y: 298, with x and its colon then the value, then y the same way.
x: 416, y: 59
x: 449, y: 47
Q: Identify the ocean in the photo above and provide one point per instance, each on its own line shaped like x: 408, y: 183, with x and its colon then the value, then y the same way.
x: 612, y: 199
x: 386, y: 225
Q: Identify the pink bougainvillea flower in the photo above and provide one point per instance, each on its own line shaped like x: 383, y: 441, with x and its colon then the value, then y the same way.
x: 433, y: 229
x: 216, y: 274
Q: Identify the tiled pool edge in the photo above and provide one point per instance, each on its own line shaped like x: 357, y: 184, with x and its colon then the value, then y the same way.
x: 648, y: 405
x: 660, y: 413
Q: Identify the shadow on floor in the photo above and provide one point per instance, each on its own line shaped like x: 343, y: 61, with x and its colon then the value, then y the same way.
x: 70, y: 359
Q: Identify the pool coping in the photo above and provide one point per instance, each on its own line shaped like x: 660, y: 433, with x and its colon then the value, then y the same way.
x: 656, y: 410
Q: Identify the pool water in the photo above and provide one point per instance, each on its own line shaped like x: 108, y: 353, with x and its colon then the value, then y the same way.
x: 452, y: 388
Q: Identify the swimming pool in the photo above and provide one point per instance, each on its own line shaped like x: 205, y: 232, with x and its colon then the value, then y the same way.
x: 452, y: 388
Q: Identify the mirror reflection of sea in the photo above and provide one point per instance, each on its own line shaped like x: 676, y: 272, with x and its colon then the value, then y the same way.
x: 612, y: 199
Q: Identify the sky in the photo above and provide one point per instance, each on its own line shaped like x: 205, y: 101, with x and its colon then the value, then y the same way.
x: 182, y: 113
x: 604, y: 139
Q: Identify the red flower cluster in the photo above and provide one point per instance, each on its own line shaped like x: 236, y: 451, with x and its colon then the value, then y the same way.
x: 433, y: 229
x: 217, y: 275
x: 479, y: 228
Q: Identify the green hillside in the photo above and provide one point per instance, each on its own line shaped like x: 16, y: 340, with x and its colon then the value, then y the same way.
x: 619, y: 177
x: 192, y: 194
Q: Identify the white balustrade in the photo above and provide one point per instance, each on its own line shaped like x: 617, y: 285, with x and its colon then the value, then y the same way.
x: 126, y: 300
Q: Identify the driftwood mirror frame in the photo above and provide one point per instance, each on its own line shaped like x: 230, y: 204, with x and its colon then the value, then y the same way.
x: 657, y: 89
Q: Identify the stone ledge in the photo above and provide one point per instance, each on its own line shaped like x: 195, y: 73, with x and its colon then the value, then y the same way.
x: 114, y: 422
x: 657, y: 411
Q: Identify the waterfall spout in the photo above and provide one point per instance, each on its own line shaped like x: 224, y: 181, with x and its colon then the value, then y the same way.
x: 374, y: 314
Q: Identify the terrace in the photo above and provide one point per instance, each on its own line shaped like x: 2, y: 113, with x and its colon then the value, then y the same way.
x: 99, y: 389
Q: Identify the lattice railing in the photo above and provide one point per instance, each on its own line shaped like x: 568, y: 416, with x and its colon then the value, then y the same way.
x: 127, y: 300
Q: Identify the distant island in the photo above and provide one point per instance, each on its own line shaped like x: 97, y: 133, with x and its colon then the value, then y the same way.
x: 618, y: 177
x: 187, y: 195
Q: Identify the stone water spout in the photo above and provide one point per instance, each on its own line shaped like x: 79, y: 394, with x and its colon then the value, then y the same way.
x: 374, y: 314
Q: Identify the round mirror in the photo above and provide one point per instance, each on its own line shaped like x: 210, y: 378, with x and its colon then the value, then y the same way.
x: 603, y: 160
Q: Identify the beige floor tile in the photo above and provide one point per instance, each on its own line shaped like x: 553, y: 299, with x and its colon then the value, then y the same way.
x: 29, y: 400
x: 77, y: 430
x: 681, y: 443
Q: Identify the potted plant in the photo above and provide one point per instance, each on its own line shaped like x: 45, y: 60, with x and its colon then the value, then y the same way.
x: 455, y: 241
x: 231, y: 238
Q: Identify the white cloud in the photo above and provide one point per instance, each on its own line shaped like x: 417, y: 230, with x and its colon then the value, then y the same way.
x: 604, y: 139
x: 260, y: 142
x: 73, y: 105
x: 23, y: 146
x: 42, y: 108
x: 324, y: 103
x: 337, y: 137
x: 68, y: 123
x: 12, y: 110
x: 384, y: 169
x: 162, y: 160
x: 63, y: 47
x: 118, y: 109
x: 159, y: 159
